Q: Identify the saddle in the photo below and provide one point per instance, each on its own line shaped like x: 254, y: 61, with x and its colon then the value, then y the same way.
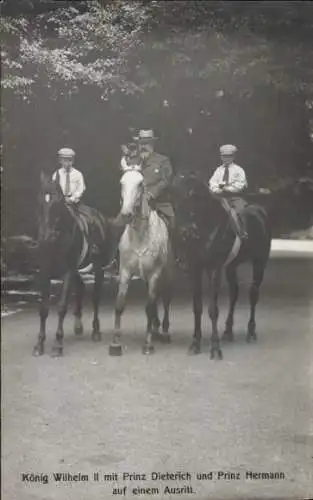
x: 165, y: 219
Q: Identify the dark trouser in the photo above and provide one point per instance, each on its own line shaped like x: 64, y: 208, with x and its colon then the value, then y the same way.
x: 169, y: 219
x: 234, y: 207
x: 92, y: 235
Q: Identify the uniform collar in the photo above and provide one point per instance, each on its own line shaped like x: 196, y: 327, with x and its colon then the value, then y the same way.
x: 147, y: 160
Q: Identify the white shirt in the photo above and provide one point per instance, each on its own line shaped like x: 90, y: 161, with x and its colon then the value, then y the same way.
x: 237, y: 179
x: 77, y: 183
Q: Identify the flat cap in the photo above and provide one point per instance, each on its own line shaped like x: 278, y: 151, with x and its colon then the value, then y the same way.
x: 66, y: 152
x: 228, y: 149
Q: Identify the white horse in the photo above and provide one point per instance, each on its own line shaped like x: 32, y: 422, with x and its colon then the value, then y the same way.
x: 145, y: 251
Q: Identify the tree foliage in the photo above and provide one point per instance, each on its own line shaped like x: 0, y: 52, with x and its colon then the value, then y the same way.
x: 132, y: 46
x: 199, y: 72
x: 75, y: 44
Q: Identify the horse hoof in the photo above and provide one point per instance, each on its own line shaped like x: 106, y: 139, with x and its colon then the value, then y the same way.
x: 218, y: 352
x: 96, y: 336
x: 38, y: 350
x: 228, y: 336
x: 57, y: 352
x: 115, y: 350
x: 195, y: 348
x: 148, y: 349
x: 251, y: 336
x: 79, y: 330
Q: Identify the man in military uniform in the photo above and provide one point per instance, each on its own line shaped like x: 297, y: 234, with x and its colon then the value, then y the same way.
x: 158, y: 173
x: 229, y: 181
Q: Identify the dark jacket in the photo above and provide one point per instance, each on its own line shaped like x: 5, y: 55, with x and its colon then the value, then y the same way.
x: 158, y: 173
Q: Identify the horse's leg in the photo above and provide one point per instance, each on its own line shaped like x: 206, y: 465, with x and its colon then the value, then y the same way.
x: 99, y: 277
x: 214, y: 284
x: 115, y: 348
x: 166, y: 295
x: 150, y: 311
x: 258, y: 273
x: 45, y: 285
x: 166, y: 299
x: 80, y: 292
x: 197, y: 298
x: 57, y: 349
x: 156, y: 322
x: 231, y: 276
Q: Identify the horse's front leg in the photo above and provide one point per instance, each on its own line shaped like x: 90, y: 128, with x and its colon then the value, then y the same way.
x: 115, y: 348
x: 231, y: 276
x: 258, y: 273
x: 80, y: 292
x: 45, y: 285
x: 153, y: 282
x: 99, y: 276
x: 197, y: 298
x: 57, y: 349
x: 214, y: 286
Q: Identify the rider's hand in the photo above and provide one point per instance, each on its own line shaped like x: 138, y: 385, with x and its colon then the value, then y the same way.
x: 151, y: 200
x: 149, y: 197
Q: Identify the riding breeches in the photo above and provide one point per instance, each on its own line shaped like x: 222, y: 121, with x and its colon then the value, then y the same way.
x: 234, y: 207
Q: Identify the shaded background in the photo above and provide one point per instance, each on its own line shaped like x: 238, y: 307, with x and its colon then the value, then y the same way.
x: 89, y: 74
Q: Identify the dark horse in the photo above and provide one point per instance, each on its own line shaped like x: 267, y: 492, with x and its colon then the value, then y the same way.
x: 64, y: 247
x: 209, y: 243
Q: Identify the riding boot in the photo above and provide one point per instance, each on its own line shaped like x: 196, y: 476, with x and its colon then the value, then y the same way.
x: 177, y: 254
x: 243, y: 229
x: 94, y: 246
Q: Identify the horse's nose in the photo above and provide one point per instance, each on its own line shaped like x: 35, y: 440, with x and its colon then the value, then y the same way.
x: 126, y: 214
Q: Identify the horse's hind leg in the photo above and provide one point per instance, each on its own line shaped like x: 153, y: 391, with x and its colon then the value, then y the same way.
x: 215, y: 279
x: 43, y: 313
x: 57, y: 349
x: 231, y: 276
x: 197, y: 303
x: 80, y: 292
x: 99, y: 276
x: 156, y: 323
x: 258, y: 273
x: 166, y: 295
x: 166, y: 298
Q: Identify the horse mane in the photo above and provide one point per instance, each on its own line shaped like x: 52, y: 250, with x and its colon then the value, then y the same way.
x: 194, y: 184
x: 204, y: 208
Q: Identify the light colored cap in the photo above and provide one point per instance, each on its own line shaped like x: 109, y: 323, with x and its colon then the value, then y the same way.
x: 228, y: 149
x: 66, y: 152
x: 145, y: 135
